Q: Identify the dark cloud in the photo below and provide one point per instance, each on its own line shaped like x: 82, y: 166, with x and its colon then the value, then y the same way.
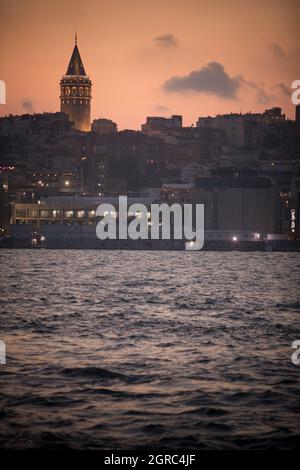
x: 282, y: 54
x: 285, y: 90
x: 212, y: 78
x: 277, y: 51
x: 262, y: 97
x: 27, y: 105
x: 166, y: 40
x: 161, y: 109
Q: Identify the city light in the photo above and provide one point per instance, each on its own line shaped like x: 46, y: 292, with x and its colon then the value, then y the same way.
x: 293, y: 220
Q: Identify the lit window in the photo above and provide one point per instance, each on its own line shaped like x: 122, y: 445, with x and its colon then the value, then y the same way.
x: 44, y: 213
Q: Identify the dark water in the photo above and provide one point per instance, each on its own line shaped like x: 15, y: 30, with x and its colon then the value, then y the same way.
x: 143, y: 349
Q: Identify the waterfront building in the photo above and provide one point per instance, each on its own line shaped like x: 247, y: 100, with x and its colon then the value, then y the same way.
x: 238, y: 203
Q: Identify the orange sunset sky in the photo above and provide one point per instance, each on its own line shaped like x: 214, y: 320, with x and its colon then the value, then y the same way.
x: 156, y: 57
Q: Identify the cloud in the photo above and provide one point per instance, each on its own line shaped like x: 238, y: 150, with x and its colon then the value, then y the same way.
x: 277, y: 51
x: 212, y: 78
x: 161, y: 109
x: 27, y: 105
x: 166, y: 41
x: 285, y: 90
x: 262, y: 97
x: 282, y: 54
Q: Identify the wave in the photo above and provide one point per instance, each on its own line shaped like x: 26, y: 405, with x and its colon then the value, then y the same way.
x: 93, y: 373
x: 289, y: 306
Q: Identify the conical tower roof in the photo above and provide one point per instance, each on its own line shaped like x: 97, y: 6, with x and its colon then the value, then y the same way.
x: 75, y: 65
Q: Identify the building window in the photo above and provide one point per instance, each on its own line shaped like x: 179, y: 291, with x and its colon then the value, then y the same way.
x: 33, y: 213
x: 20, y: 213
x: 44, y: 213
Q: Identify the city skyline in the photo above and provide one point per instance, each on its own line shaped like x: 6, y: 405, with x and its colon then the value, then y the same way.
x: 150, y: 227
x: 166, y: 65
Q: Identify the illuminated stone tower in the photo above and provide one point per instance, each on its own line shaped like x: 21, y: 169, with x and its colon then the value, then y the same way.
x: 75, y: 92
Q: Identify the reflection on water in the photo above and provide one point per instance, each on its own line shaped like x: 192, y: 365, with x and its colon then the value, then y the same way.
x: 142, y: 349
